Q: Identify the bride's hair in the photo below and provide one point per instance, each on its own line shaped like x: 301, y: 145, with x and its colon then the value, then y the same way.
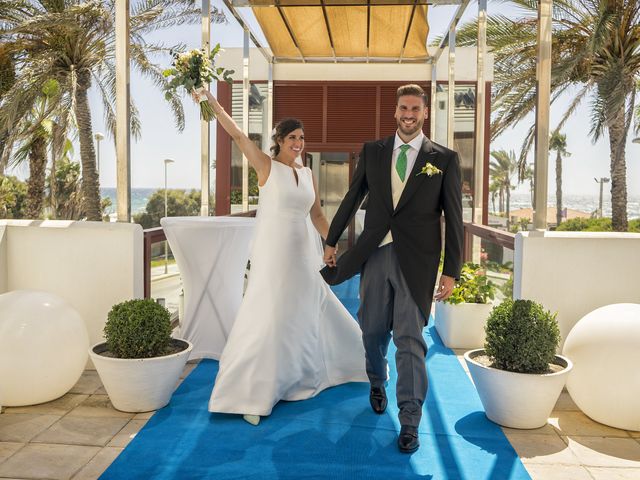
x: 284, y: 128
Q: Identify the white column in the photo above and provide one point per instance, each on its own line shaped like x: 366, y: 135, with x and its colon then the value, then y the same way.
x: 205, y: 127
x: 270, y: 98
x: 245, y: 120
x: 543, y: 98
x: 123, y: 123
x: 451, y: 86
x: 434, y: 103
x: 478, y: 168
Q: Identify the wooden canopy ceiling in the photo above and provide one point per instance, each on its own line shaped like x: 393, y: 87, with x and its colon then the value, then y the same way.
x: 343, y: 30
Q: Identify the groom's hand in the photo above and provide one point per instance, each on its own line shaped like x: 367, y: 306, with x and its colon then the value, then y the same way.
x: 330, y: 255
x: 445, y: 287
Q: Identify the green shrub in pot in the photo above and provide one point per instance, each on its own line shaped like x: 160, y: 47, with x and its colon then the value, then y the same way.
x: 473, y: 286
x: 138, y: 328
x: 522, y: 337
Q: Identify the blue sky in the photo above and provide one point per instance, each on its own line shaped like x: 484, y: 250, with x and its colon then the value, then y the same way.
x: 161, y: 140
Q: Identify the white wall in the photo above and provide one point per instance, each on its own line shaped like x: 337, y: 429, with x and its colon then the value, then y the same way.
x: 465, y: 65
x: 92, y: 265
x: 573, y: 273
x: 3, y: 258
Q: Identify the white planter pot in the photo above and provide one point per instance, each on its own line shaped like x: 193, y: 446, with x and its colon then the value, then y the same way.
x: 462, y: 325
x: 139, y: 384
x: 517, y: 400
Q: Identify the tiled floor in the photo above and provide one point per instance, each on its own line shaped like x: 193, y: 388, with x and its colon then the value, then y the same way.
x: 75, y: 437
x: 571, y: 446
x: 79, y: 435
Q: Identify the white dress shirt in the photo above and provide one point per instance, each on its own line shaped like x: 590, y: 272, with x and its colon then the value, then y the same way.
x: 397, y: 185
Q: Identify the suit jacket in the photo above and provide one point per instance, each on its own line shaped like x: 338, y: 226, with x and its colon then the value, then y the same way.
x: 415, y: 222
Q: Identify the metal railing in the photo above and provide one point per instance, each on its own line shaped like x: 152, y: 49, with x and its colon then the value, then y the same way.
x: 500, y: 237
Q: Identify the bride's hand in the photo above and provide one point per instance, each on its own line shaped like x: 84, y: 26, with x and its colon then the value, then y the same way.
x: 330, y: 255
x: 196, y: 93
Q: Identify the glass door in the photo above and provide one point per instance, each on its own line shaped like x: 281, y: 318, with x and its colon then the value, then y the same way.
x: 332, y: 171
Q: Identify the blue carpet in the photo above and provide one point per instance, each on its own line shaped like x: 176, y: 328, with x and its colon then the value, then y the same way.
x: 332, y: 436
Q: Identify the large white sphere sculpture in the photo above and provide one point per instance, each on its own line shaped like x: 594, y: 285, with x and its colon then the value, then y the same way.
x: 604, y: 347
x: 43, y: 347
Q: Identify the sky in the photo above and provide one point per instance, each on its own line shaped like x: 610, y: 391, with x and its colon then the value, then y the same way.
x: 160, y: 138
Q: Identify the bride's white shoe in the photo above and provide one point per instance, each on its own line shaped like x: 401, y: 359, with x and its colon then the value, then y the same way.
x: 252, y: 419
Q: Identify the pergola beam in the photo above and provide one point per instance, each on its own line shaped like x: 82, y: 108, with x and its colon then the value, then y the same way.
x: 406, y: 35
x: 326, y: 23
x: 355, y: 3
x: 368, y: 27
x: 245, y: 26
x: 452, y: 26
x: 395, y: 60
x: 290, y: 30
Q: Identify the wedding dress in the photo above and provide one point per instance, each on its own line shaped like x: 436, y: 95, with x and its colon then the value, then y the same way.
x: 292, y: 337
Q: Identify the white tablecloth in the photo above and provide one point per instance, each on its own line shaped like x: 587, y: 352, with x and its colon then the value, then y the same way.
x: 212, y: 254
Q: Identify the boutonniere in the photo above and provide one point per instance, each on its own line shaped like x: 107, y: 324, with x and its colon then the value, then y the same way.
x: 429, y: 170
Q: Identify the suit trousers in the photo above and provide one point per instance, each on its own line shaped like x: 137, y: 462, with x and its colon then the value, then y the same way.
x: 386, y: 306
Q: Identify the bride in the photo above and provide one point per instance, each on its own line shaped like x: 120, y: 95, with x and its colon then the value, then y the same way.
x: 291, y: 338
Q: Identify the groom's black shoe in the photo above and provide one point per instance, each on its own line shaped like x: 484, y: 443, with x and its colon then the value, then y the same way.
x: 408, y: 441
x: 378, y: 399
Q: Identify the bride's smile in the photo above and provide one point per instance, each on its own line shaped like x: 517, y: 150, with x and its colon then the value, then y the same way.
x: 291, y: 146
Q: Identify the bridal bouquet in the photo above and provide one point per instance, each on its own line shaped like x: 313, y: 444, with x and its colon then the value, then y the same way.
x: 193, y: 70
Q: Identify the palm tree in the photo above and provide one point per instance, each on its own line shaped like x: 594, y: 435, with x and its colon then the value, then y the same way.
x: 558, y: 142
x: 35, y: 149
x: 529, y: 176
x: 31, y: 137
x: 73, y: 42
x: 501, y: 169
x: 7, y: 79
x: 595, y: 53
x: 494, y: 189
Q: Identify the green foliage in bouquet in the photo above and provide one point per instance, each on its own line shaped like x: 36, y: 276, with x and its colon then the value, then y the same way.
x: 193, y: 70
x: 522, y: 337
x: 473, y: 286
x: 138, y: 329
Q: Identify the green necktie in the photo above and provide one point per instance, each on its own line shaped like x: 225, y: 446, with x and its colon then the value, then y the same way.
x: 401, y: 162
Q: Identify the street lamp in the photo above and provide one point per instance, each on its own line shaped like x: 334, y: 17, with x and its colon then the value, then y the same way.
x: 167, y: 161
x: 602, y: 181
x: 99, y: 137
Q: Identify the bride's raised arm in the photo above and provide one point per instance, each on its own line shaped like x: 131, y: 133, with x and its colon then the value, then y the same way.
x: 259, y: 160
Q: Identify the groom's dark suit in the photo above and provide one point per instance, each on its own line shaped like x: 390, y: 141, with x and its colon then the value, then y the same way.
x: 415, y: 226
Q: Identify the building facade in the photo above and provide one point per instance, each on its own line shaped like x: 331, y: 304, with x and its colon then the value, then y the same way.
x: 339, y: 115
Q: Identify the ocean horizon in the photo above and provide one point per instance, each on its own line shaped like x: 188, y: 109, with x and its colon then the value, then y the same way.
x: 583, y: 203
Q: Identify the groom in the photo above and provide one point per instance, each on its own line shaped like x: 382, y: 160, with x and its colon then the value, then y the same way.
x: 410, y: 182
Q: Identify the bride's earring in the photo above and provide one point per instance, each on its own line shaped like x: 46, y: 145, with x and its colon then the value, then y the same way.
x: 252, y: 419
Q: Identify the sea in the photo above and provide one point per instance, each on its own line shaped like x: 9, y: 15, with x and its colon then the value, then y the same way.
x: 583, y: 203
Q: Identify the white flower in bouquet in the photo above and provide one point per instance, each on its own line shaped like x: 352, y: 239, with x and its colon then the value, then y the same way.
x: 193, y: 70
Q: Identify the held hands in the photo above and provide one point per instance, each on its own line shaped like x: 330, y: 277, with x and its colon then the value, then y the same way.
x: 445, y: 287
x: 330, y: 255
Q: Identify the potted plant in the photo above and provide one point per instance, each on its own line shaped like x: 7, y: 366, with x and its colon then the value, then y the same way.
x: 460, y: 319
x: 518, y: 374
x: 139, y: 363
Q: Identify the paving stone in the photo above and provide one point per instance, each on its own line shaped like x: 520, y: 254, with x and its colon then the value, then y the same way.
x: 57, y: 462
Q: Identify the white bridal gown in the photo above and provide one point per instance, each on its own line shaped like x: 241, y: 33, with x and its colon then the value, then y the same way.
x: 292, y: 337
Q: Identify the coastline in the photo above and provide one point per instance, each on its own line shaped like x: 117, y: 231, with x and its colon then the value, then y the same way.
x: 583, y: 203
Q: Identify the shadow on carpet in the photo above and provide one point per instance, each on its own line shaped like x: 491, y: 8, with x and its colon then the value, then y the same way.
x: 332, y: 436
